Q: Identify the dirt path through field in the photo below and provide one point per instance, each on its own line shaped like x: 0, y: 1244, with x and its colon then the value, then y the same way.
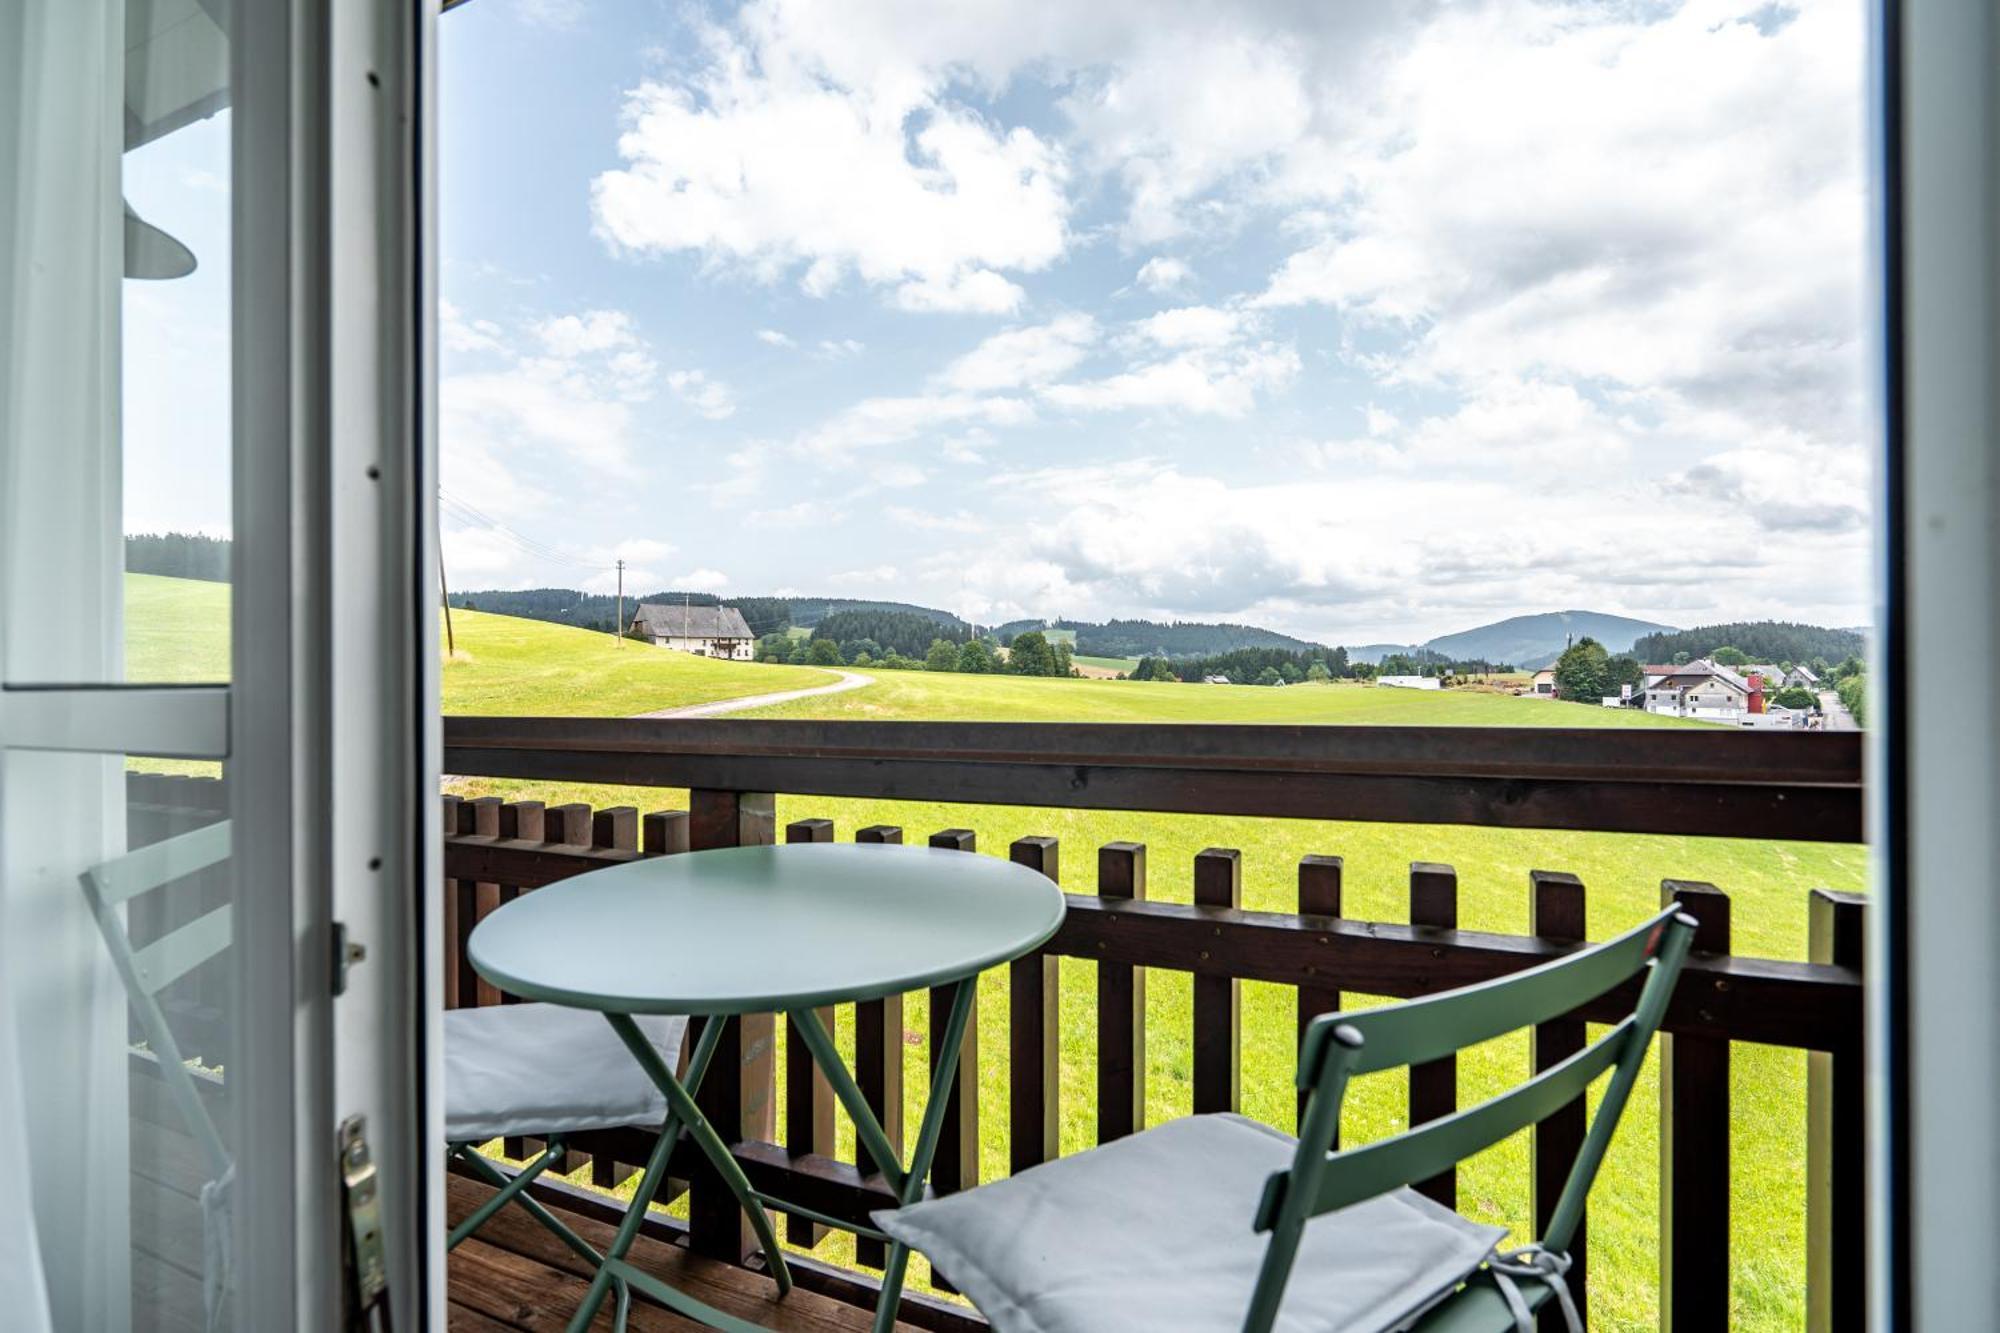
x: 849, y: 680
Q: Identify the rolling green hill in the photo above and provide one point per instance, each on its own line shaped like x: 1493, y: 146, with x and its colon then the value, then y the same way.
x: 178, y: 630
x: 508, y: 665
x: 1530, y: 642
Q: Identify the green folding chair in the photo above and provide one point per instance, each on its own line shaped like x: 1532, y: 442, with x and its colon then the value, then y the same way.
x: 147, y: 971
x: 1193, y: 1223
x: 514, y: 1070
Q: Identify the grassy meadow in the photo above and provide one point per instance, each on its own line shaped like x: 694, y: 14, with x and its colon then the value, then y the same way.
x: 526, y: 667
x: 176, y: 631
x: 949, y: 697
x: 506, y: 665
x: 1768, y: 881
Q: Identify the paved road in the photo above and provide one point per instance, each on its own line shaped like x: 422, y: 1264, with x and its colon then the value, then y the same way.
x: 849, y: 680
x: 1837, y: 716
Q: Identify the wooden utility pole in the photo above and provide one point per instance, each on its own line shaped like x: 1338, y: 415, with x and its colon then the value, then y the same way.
x: 450, y: 640
x: 619, y: 628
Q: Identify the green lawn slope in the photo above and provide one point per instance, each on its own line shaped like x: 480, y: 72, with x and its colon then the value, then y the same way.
x: 505, y: 664
x: 950, y: 697
x: 177, y: 630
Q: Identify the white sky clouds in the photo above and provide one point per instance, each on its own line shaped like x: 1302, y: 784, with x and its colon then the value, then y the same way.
x: 764, y: 159
x: 1369, y: 322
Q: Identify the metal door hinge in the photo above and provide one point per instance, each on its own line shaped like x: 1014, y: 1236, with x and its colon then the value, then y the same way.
x: 346, y: 954
x: 361, y: 1208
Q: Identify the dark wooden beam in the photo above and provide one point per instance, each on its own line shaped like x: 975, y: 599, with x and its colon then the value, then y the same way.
x: 1716, y: 783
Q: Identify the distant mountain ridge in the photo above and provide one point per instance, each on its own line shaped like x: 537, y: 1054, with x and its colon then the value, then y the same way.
x: 1156, y: 638
x: 1529, y: 642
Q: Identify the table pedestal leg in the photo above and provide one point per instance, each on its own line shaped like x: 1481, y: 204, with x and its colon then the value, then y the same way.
x: 909, y: 1185
x: 682, y: 1113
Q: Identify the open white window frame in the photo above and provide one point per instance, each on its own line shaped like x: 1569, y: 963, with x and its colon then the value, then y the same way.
x: 333, y: 739
x: 1934, y: 736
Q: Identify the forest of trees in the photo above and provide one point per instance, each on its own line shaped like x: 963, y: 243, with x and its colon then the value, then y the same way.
x: 179, y: 555
x: 808, y: 612
x: 908, y: 633
x: 599, y: 611
x: 1152, y: 638
x: 1769, y: 641
x: 1254, y: 666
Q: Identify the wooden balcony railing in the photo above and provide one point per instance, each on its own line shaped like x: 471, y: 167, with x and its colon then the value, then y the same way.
x: 1764, y: 785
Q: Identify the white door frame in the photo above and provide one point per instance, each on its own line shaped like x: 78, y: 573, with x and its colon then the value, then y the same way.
x: 350, y: 609
x: 329, y: 722
x: 1934, y: 747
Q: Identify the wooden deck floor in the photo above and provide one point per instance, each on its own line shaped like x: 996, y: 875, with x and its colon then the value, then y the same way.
x: 514, y: 1275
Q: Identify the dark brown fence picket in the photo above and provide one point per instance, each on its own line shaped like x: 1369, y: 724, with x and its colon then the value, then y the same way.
x: 1319, y: 895
x: 1694, y: 1142
x: 1836, y: 1143
x: 878, y: 1064
x: 1218, y: 998
x: 1121, y: 1005
x: 1556, y: 914
x: 809, y: 1100
x: 1434, y: 1084
x: 1034, y: 1008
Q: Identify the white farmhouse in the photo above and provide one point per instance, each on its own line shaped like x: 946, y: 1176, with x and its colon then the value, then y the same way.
x: 705, y: 631
x: 1701, y: 689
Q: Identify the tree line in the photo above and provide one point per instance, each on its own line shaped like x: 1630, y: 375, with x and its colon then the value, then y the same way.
x: 1768, y: 641
x: 1278, y: 666
x: 908, y: 633
x: 178, y: 555
x: 1153, y: 638
x: 1029, y: 653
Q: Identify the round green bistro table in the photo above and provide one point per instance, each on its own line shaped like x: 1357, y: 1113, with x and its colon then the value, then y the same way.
x: 750, y: 930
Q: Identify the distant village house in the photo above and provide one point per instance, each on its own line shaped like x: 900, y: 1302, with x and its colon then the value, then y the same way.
x: 1714, y: 693
x: 705, y: 631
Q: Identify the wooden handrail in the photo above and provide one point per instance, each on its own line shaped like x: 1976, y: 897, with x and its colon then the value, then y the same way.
x: 1803, y: 786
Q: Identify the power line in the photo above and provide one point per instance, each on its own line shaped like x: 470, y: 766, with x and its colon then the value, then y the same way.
x: 540, y: 550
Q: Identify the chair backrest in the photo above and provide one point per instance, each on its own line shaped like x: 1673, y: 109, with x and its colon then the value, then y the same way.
x: 1339, y: 1046
x: 148, y: 970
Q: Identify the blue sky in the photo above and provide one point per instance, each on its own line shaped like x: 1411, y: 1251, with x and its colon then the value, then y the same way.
x: 1364, y: 322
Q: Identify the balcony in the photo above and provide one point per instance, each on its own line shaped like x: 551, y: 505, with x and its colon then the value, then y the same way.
x: 1798, y: 787
x: 1042, y: 1047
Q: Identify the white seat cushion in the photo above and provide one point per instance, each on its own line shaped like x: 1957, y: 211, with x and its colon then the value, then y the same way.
x: 1153, y: 1232
x: 547, y: 1069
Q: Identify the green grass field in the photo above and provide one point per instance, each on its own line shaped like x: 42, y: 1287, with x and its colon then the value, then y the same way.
x: 949, y: 697
x: 176, y: 630
x: 527, y: 667
x: 509, y: 665
x: 1108, y: 663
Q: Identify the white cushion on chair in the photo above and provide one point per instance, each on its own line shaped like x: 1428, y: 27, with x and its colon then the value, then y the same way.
x: 1153, y: 1232
x: 547, y: 1069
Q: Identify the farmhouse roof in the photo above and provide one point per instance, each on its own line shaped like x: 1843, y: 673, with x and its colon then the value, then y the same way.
x: 1700, y: 669
x: 664, y: 620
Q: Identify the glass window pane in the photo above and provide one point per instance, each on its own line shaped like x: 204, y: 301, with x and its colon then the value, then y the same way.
x: 126, y: 1033
x: 115, y: 446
